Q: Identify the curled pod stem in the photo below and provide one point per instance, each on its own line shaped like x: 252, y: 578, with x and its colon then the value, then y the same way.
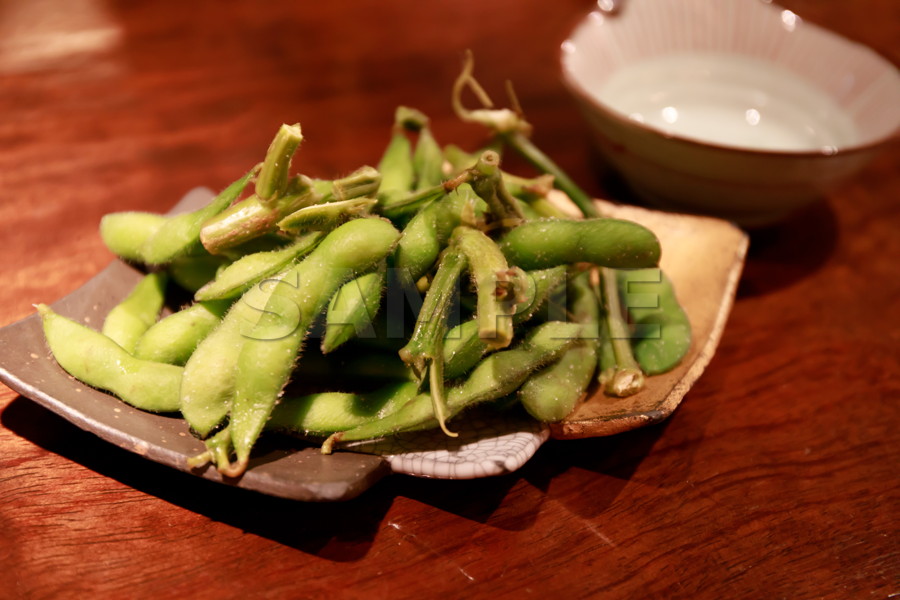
x: 487, y: 182
x: 425, y: 348
x: 626, y: 378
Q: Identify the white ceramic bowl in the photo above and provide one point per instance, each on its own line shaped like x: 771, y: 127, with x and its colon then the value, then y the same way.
x: 735, y: 108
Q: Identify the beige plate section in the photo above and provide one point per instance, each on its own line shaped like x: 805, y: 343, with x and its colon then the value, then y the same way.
x: 703, y: 257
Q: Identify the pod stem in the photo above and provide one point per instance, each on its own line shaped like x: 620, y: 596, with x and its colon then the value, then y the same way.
x: 513, y: 129
x: 627, y: 379
x: 252, y: 217
x: 361, y: 183
x: 425, y: 350
x: 487, y: 181
x: 499, y: 287
x: 273, y: 177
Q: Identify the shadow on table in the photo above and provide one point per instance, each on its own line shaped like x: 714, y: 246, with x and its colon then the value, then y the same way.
x: 783, y: 254
x: 345, y: 531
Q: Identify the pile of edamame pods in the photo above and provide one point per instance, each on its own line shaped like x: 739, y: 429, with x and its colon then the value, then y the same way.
x: 448, y: 280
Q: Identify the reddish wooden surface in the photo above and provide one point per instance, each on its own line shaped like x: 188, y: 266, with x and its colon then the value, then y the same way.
x: 777, y: 477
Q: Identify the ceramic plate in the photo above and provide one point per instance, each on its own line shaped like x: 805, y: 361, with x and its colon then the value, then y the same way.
x: 490, y: 445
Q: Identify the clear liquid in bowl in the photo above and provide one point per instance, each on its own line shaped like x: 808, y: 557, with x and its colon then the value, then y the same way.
x: 731, y: 100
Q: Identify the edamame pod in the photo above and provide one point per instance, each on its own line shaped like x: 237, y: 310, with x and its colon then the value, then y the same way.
x: 173, y: 339
x: 604, y: 242
x: 325, y: 413
x: 496, y: 376
x: 128, y: 320
x: 428, y: 158
x: 125, y: 233
x: 265, y: 364
x: 661, y: 329
x: 428, y: 231
x: 193, y: 272
x: 244, y: 273
x: 181, y: 233
x: 209, y: 378
x: 96, y: 360
x: 353, y: 309
x: 550, y: 394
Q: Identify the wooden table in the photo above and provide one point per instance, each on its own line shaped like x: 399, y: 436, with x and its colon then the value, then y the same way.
x: 777, y: 477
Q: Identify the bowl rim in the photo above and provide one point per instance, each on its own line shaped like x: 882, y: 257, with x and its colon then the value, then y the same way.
x: 578, y: 90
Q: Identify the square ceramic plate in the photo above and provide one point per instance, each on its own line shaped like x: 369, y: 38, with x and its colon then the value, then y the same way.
x: 702, y: 256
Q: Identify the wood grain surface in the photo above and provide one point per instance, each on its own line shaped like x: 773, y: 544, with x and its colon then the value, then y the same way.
x: 776, y: 478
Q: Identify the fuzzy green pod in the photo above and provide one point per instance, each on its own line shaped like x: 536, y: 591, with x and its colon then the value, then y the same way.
x: 352, y: 310
x: 174, y: 338
x: 604, y: 242
x: 552, y: 393
x: 661, y: 330
x: 127, y: 321
x: 96, y: 360
x: 265, y: 362
x: 210, y: 373
x: 180, y: 234
x: 327, y: 412
x: 496, y: 376
x: 238, y: 277
x: 125, y: 233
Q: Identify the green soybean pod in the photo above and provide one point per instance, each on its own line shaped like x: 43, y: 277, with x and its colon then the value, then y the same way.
x: 96, y: 360
x: 128, y: 320
x: 209, y: 378
x: 605, y: 242
x: 662, y: 330
x: 352, y: 310
x: 426, y: 234
x: 174, y: 338
x: 125, y: 233
x: 552, y: 393
x: 327, y: 412
x: 193, y: 272
x: 181, y: 233
x: 265, y: 362
x: 496, y: 376
x: 239, y: 276
x: 396, y: 164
